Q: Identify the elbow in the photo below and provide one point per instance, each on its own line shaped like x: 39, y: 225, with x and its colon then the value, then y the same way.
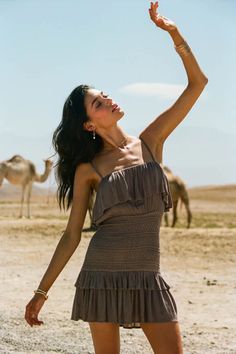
x: 198, y: 84
x: 205, y: 81
x: 72, y: 239
x: 202, y: 81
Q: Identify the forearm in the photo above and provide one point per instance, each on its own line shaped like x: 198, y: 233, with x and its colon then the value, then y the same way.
x: 61, y: 256
x: 193, y: 70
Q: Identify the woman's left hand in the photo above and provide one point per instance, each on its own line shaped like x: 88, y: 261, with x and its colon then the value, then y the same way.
x: 163, y: 22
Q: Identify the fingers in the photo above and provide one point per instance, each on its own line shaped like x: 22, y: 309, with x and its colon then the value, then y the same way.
x: 36, y: 321
x: 153, y: 10
x: 155, y: 16
x: 31, y: 317
x: 154, y: 6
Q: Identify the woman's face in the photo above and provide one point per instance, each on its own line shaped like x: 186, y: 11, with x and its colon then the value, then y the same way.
x: 102, y: 111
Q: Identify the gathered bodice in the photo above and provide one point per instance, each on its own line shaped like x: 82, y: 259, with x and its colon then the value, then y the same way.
x: 132, y: 185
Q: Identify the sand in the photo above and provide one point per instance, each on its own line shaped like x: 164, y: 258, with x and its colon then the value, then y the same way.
x: 199, y: 264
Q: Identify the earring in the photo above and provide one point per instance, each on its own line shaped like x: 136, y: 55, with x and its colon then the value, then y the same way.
x: 94, y: 134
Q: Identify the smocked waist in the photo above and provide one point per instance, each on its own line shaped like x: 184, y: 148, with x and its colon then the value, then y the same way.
x: 145, y: 222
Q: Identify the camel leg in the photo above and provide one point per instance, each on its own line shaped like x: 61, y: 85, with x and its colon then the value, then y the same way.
x: 166, y: 219
x: 185, y: 200
x: 22, y: 201
x: 175, y: 204
x: 28, y: 199
x: 189, y: 214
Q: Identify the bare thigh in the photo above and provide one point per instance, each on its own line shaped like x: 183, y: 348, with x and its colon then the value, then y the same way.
x: 164, y: 337
x: 106, y: 337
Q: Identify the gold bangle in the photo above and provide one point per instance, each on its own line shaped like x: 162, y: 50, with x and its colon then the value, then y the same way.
x: 183, y: 48
x: 42, y: 292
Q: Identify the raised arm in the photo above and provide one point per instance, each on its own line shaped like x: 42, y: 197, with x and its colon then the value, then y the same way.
x: 68, y: 242
x: 157, y: 132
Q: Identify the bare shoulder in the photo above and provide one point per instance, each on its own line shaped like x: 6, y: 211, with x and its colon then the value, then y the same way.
x: 84, y: 174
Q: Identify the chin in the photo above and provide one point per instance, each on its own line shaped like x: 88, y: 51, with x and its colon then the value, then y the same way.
x: 121, y: 113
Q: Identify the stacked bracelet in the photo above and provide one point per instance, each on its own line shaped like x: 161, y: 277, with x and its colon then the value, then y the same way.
x: 42, y: 292
x: 183, y: 49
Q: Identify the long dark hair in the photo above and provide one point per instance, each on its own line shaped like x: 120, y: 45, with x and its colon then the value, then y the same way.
x: 73, y: 144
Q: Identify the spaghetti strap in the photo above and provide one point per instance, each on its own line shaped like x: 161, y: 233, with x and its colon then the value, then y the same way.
x: 148, y: 149
x: 95, y: 169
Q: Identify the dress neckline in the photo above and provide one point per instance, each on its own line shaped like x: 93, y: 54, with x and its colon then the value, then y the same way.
x: 103, y: 178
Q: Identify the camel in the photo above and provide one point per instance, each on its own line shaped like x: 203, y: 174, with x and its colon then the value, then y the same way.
x: 20, y: 171
x: 178, y: 192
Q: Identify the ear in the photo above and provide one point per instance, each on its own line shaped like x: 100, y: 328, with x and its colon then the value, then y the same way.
x: 89, y: 126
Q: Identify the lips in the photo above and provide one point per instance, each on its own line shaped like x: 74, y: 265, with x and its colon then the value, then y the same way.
x: 115, y: 107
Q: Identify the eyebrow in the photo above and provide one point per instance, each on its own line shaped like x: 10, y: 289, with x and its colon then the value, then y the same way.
x: 96, y: 99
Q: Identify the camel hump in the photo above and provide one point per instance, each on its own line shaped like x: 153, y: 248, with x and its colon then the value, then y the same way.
x: 16, y: 158
x: 180, y: 182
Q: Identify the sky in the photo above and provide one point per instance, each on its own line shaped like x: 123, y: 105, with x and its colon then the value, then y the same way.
x: 50, y: 47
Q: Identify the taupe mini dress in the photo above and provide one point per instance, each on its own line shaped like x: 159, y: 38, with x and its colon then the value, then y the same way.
x: 120, y: 279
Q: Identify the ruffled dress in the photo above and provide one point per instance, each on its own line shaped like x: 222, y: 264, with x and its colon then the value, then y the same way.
x: 120, y: 279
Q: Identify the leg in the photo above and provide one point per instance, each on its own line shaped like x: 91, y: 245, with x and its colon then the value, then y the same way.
x: 106, y: 337
x: 166, y: 219
x: 28, y: 199
x: 185, y: 199
x: 22, y: 201
x: 189, y: 214
x: 175, y: 204
x: 164, y: 337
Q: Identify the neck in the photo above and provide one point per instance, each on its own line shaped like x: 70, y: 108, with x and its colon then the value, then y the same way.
x: 114, y: 139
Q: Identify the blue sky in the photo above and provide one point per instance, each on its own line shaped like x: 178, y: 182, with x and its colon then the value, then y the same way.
x: 50, y: 47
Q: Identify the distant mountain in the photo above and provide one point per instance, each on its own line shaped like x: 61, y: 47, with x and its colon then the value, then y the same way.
x: 9, y: 191
x: 217, y: 193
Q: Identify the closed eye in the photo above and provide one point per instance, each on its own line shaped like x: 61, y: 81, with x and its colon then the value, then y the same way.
x: 103, y: 94
x: 99, y: 103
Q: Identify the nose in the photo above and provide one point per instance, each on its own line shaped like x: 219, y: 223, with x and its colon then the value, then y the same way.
x: 109, y: 101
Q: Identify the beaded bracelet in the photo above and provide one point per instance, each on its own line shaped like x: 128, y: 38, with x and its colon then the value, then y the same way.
x: 42, y: 292
x: 183, y: 49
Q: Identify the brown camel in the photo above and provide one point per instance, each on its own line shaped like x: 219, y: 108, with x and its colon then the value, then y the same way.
x: 20, y: 171
x: 178, y: 192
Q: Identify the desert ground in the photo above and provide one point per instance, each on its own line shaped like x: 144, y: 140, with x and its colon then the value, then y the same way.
x: 199, y: 263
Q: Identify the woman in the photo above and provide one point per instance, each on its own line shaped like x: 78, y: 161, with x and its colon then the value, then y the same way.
x: 120, y: 283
